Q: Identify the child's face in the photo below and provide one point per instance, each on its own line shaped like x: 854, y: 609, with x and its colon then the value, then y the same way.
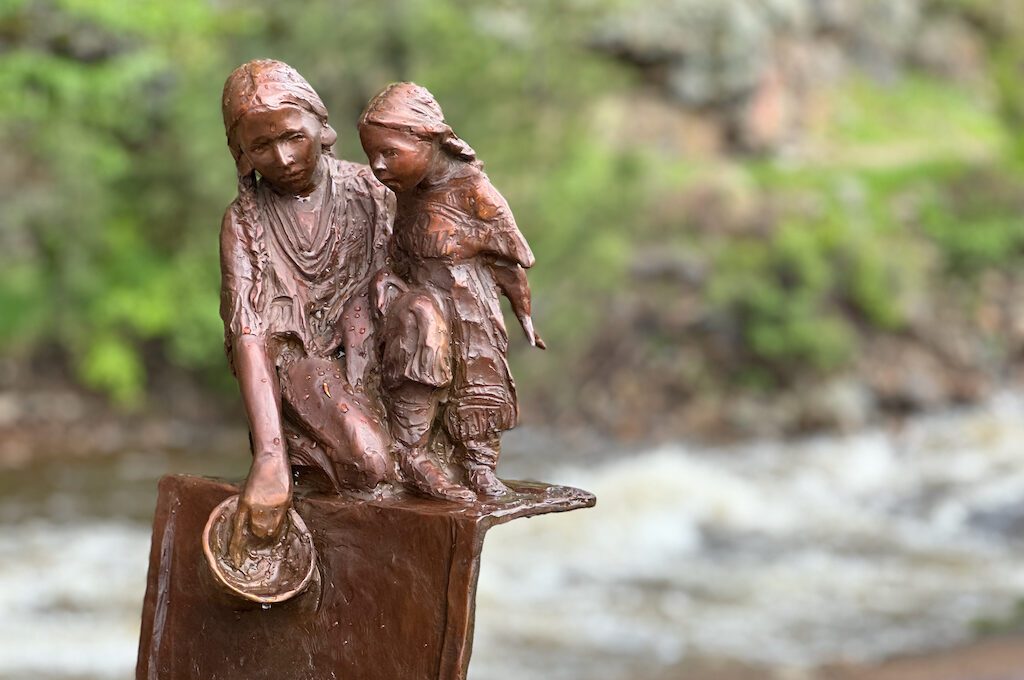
x: 399, y: 160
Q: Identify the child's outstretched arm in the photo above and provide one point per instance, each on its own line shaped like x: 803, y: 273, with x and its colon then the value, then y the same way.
x: 511, y: 280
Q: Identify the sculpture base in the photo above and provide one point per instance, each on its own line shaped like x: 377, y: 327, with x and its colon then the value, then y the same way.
x: 395, y: 598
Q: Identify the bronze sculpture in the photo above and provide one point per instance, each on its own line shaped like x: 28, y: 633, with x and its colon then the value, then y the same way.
x: 298, y: 249
x: 455, y: 247
x: 371, y: 363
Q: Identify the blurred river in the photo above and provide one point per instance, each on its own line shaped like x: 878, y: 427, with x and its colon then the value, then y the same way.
x: 779, y: 554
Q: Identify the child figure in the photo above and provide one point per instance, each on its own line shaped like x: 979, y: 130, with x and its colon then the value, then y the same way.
x: 455, y: 247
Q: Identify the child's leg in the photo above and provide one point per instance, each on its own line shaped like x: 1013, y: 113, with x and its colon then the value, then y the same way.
x: 411, y: 410
x: 479, y: 457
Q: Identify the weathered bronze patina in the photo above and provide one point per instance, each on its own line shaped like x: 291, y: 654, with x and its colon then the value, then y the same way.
x: 393, y: 599
x: 299, y: 247
x: 455, y: 249
x: 362, y: 319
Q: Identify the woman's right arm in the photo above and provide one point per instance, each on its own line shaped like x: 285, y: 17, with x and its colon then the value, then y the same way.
x: 267, y: 494
x: 268, y: 489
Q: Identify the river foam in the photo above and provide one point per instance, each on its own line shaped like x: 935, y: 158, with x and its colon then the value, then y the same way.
x: 787, y: 554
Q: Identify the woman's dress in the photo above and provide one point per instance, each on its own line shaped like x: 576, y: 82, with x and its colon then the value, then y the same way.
x: 306, y: 293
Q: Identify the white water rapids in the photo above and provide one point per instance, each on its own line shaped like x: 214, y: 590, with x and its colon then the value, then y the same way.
x: 786, y: 554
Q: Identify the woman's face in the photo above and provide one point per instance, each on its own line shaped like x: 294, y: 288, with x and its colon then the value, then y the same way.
x: 398, y: 159
x: 284, y: 146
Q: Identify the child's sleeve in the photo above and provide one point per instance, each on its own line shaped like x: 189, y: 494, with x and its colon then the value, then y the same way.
x: 511, y: 280
x: 501, y: 238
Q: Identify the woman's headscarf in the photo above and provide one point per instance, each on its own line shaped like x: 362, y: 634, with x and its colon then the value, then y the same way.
x: 262, y: 85
x: 411, y: 108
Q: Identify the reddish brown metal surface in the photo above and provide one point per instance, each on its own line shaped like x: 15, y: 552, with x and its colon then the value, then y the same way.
x: 362, y: 319
x: 395, y: 600
x: 454, y: 251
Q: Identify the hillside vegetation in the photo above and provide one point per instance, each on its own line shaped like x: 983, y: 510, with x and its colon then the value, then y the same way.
x: 749, y: 217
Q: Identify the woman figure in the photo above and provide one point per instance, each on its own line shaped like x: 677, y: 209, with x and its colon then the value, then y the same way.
x: 299, y: 246
x: 454, y: 250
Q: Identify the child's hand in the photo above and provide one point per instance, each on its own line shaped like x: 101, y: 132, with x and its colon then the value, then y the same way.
x: 386, y: 287
x: 532, y: 336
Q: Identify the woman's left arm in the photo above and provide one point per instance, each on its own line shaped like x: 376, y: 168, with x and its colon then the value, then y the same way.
x: 358, y: 316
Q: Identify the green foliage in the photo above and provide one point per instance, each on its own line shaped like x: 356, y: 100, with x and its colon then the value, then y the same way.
x: 112, y: 364
x: 119, y: 173
x: 908, y: 185
x: 977, y: 219
x: 777, y: 292
x: 1007, y: 66
x: 88, y: 260
x: 845, y: 258
x: 915, y: 118
x: 877, y: 243
x: 1001, y: 24
x: 792, y: 294
x: 116, y: 173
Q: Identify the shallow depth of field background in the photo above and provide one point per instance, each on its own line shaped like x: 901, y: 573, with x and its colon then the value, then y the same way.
x: 780, y: 249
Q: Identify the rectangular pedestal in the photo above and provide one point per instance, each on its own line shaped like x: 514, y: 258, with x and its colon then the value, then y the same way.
x: 395, y: 600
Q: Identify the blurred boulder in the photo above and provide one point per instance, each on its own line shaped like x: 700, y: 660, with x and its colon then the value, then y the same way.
x: 751, y: 65
x: 723, y: 56
x: 950, y: 48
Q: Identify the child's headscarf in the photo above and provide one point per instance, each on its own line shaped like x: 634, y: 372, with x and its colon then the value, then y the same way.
x: 411, y: 108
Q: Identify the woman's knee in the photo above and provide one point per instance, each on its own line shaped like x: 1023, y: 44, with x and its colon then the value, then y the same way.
x: 371, y: 449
